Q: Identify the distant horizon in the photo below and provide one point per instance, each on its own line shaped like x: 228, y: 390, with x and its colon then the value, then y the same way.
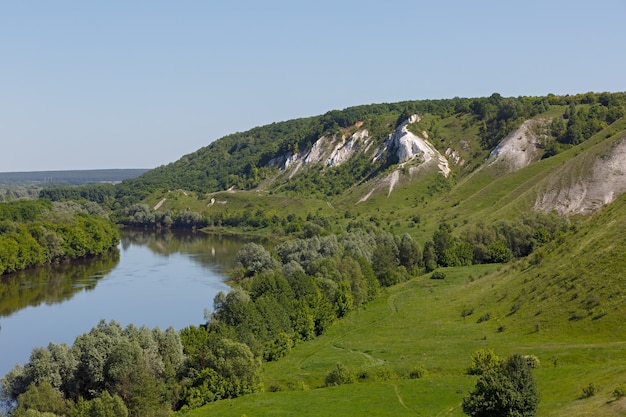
x: 74, y: 170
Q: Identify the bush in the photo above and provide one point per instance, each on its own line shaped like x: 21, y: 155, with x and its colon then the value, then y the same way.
x: 483, y: 360
x: 418, y: 372
x: 619, y: 391
x: 532, y: 361
x: 590, y: 390
x: 484, y: 317
x: 438, y: 275
x: 339, y: 376
x: 377, y: 374
x: 467, y: 311
x: 507, y: 391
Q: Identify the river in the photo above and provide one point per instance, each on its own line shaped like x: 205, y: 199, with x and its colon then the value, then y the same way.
x: 153, y: 279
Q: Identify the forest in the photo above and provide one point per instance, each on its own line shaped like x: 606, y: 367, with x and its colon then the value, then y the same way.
x: 38, y: 232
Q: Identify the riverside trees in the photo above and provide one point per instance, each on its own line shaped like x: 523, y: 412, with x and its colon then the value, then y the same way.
x: 278, y: 301
x: 39, y: 232
x: 124, y: 369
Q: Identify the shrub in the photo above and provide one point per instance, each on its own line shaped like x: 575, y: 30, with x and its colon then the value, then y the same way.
x: 418, y: 372
x: 438, y: 275
x: 507, y: 391
x: 619, y: 391
x: 590, y: 390
x: 467, y: 311
x: 377, y: 374
x: 484, y: 317
x: 339, y: 376
x: 532, y: 361
x: 483, y: 360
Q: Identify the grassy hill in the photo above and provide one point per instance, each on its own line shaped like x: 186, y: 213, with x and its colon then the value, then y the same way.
x: 409, y: 349
x: 565, y: 305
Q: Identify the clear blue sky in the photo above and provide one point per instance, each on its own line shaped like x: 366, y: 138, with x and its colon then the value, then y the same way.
x: 138, y: 84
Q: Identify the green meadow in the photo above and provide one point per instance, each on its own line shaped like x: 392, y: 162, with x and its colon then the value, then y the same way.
x: 434, y: 325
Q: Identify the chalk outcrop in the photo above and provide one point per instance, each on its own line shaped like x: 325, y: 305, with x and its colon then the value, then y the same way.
x: 406, y: 147
x: 587, y: 187
x: 520, y: 148
x: 327, y: 150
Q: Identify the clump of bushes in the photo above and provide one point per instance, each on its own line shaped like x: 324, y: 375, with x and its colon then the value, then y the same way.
x: 378, y: 374
x: 438, y: 275
x: 340, y: 375
x: 418, y: 372
x: 590, y: 390
x: 619, y: 391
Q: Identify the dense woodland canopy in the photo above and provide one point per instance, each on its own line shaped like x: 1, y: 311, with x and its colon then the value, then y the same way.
x: 39, y: 232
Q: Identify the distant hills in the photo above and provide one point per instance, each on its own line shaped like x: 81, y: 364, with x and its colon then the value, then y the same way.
x: 74, y: 177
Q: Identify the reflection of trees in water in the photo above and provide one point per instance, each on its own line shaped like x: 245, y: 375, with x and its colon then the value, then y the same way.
x: 206, y: 249
x: 53, y: 283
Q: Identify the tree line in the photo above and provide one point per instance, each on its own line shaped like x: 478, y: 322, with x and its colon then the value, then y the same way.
x: 39, y: 232
x: 499, y: 242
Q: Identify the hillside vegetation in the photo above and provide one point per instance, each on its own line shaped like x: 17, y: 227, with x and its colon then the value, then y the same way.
x: 407, y: 237
x: 564, y: 305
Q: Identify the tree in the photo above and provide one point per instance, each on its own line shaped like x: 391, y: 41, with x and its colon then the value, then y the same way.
x: 385, y: 261
x: 508, y: 391
x: 445, y: 246
x: 255, y: 258
x: 343, y: 300
x: 43, y: 398
x: 409, y: 253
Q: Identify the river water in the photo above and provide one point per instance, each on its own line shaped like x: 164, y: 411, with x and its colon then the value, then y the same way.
x: 152, y: 279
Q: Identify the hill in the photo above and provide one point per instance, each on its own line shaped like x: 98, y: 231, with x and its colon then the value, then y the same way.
x: 431, y: 228
x: 404, y: 166
x: 565, y: 306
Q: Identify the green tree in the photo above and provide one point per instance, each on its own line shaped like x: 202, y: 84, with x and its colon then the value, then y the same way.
x: 445, y: 245
x: 42, y: 398
x: 343, y: 300
x: 508, y: 391
x: 409, y: 253
x: 255, y: 258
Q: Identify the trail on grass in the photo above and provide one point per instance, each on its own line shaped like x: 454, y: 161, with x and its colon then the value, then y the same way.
x: 371, y: 361
x: 336, y: 339
x: 401, y: 401
x: 397, y: 390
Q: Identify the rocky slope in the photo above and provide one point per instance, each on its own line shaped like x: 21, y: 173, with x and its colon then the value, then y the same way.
x: 583, y: 188
x: 520, y: 148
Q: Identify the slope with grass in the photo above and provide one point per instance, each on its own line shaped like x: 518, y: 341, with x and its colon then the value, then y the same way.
x: 566, y: 305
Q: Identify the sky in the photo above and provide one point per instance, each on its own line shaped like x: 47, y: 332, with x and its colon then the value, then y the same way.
x: 140, y: 83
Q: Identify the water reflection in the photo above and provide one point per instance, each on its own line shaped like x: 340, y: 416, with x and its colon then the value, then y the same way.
x: 214, y: 251
x: 53, y: 283
x: 155, y: 279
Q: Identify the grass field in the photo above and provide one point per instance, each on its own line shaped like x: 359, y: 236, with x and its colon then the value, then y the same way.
x: 421, y: 323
